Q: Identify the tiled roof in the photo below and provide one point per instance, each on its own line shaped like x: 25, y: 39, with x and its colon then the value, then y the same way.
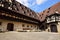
x: 55, y: 8
x: 20, y: 8
x: 26, y: 11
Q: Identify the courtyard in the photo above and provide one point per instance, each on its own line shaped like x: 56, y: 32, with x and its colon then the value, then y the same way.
x: 29, y: 36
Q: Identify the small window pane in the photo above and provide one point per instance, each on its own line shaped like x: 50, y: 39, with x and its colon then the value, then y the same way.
x: 31, y: 26
x: 27, y: 25
x: 23, y: 25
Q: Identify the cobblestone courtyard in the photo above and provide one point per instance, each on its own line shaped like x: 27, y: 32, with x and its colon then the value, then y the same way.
x: 29, y: 36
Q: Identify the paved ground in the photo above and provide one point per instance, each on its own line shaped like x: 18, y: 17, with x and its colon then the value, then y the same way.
x: 29, y: 36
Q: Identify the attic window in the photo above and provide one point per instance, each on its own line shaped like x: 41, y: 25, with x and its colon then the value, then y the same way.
x: 43, y: 11
x: 22, y: 8
x: 41, y: 17
x: 47, y: 11
x: 20, y: 4
x: 30, y: 14
x: 42, y: 14
x: 49, y: 8
x: 24, y: 12
x: 17, y: 9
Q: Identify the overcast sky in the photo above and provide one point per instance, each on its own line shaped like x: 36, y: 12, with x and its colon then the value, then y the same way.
x: 38, y: 5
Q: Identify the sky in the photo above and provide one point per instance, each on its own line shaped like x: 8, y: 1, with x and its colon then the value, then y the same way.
x: 38, y: 5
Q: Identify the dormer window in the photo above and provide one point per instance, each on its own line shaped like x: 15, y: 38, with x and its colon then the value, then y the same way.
x: 41, y: 17
x: 24, y: 12
x: 42, y: 14
x: 47, y: 11
x: 48, y: 8
x: 43, y: 11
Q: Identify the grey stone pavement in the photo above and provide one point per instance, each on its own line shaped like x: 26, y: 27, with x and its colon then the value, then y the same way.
x: 29, y: 36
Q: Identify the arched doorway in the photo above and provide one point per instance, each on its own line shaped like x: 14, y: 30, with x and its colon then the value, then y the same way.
x: 10, y: 26
x: 53, y: 28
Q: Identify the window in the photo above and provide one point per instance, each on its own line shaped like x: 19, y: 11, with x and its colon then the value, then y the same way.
x: 57, y: 18
x: 30, y: 14
x: 43, y: 11
x: 31, y: 26
x: 27, y: 25
x: 48, y: 20
x: 23, y: 25
x: 0, y: 23
x: 22, y: 8
x: 35, y: 26
x: 20, y: 4
x: 47, y: 11
x: 41, y: 17
x: 15, y: 8
x: 53, y: 18
x: 24, y: 12
x: 49, y: 8
x: 42, y: 14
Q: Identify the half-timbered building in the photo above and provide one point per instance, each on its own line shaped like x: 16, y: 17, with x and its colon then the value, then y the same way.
x: 50, y: 19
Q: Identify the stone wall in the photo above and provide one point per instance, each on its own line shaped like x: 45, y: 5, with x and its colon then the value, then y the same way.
x: 17, y: 25
x: 58, y: 27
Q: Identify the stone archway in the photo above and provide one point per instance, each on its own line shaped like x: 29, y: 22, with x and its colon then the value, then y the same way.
x: 53, y: 28
x: 10, y: 26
